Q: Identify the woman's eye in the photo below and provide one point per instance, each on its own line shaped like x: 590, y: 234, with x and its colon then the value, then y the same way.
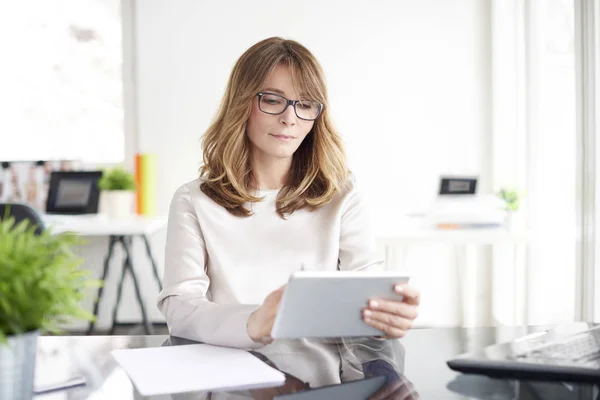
x: 305, y: 105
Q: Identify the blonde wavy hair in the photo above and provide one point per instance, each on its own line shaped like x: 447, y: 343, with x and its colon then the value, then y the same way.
x: 318, y: 169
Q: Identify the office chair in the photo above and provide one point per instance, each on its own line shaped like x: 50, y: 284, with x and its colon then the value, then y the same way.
x: 20, y: 212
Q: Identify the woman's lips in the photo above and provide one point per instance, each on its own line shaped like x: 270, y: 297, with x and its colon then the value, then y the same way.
x: 282, y: 138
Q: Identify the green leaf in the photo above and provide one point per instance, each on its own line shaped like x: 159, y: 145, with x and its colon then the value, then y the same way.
x: 511, y: 199
x: 116, y: 179
x: 41, y: 283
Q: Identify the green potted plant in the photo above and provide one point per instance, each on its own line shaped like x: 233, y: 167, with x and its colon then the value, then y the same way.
x: 118, y: 192
x: 41, y: 288
x: 512, y: 203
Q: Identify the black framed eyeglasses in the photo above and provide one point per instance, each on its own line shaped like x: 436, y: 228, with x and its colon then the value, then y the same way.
x: 275, y: 104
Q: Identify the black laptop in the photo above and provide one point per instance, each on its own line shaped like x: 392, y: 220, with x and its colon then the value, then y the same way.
x: 571, y: 355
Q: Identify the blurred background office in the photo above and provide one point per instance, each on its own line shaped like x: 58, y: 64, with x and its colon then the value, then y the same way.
x: 493, y: 90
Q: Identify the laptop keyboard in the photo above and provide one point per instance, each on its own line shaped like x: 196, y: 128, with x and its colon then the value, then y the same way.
x: 582, y: 348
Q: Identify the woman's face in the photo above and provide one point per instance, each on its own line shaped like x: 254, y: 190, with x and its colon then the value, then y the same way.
x: 277, y: 136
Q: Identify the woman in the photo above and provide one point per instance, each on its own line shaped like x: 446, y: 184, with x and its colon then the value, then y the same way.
x: 274, y: 196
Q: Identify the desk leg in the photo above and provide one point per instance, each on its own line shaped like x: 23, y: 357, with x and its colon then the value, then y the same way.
x: 395, y: 257
x: 403, y: 251
x: 526, y: 280
x: 147, y: 327
x: 390, y: 257
x: 462, y: 287
x: 111, y: 245
x: 521, y: 284
x: 154, y: 269
x: 119, y: 291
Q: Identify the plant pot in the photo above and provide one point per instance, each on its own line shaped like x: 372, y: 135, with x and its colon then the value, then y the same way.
x: 513, y: 221
x: 119, y: 203
x: 17, y: 366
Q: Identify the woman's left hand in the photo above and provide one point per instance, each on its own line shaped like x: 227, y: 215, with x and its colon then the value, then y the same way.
x: 394, y: 318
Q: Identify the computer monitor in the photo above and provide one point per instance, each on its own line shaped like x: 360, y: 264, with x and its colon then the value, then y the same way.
x: 458, y: 185
x: 73, y: 192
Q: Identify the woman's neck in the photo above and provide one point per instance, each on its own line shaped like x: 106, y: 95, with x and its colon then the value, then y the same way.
x: 270, y: 172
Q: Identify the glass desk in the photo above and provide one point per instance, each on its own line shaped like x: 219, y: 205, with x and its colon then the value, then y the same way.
x: 411, y: 368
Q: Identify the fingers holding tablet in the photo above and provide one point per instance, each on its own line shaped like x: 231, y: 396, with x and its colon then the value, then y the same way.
x: 393, y: 317
x: 410, y: 294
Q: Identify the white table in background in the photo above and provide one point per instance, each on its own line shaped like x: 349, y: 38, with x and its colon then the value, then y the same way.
x: 118, y: 231
x: 417, y: 230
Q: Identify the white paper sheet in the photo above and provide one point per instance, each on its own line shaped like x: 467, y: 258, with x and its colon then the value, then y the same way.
x: 195, y: 367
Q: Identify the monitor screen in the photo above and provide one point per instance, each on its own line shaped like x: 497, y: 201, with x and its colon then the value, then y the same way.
x: 73, y: 192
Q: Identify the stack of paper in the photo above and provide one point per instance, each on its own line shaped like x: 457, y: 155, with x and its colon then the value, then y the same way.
x: 195, y: 367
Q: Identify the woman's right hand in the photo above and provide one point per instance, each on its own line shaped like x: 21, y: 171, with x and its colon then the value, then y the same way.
x: 261, y: 321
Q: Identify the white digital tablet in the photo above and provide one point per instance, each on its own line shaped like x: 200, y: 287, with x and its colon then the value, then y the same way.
x: 320, y: 304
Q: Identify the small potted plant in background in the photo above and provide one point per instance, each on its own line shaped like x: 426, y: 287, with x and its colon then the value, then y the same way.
x: 511, y: 205
x: 118, y: 192
x: 41, y: 289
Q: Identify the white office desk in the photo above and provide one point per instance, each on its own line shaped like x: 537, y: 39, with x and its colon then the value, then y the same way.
x: 101, y: 225
x: 453, y: 236
x: 414, y: 230
x: 120, y: 231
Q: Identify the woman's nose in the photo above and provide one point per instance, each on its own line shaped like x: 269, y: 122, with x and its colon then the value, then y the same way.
x: 288, y: 117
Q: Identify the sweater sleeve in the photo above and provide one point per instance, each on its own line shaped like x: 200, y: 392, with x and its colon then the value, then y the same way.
x: 183, y: 301
x: 358, y: 248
